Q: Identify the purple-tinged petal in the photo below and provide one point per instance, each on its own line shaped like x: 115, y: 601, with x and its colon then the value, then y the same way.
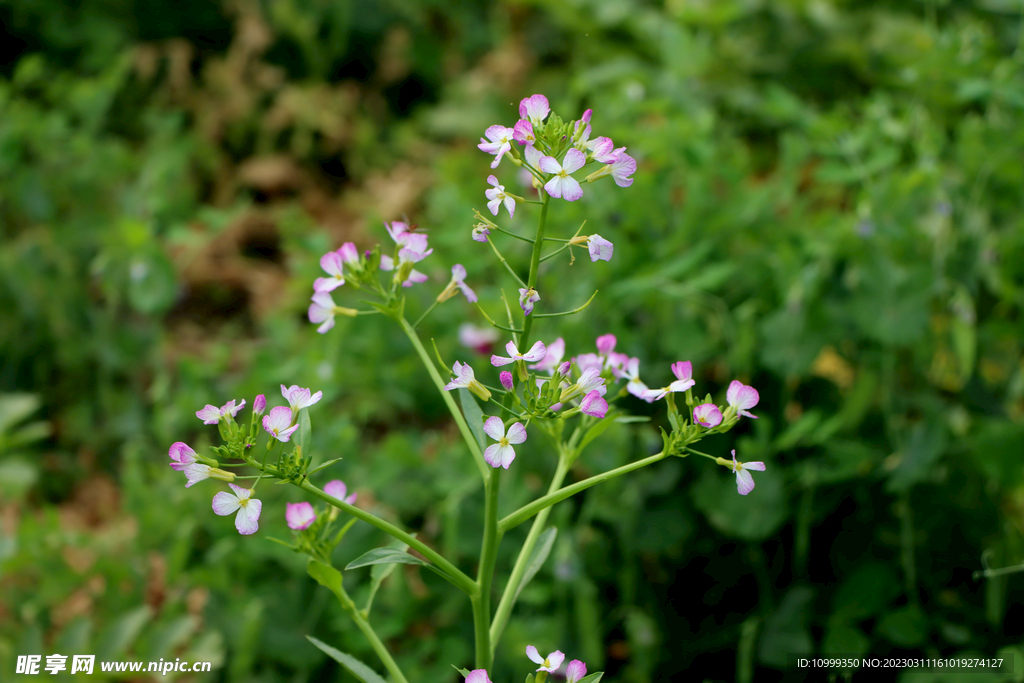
x: 571, y: 190
x: 299, y: 516
x: 574, y: 160
x: 492, y: 455
x: 623, y: 167
x: 182, y: 454
x: 600, y: 249
x: 507, y: 454
x: 478, y: 676
x: 225, y: 503
x: 683, y: 369
x: 210, y: 415
x: 494, y: 427
x: 550, y: 165
x: 259, y: 405
x: 248, y: 517
x: 523, y: 132
x: 707, y: 415
x: 336, y: 488
x: 535, y: 353
x: 744, y: 482
x: 516, y: 433
x: 555, y: 659
x: 757, y: 466
x: 606, y: 344
x: 575, y: 671
x: 195, y: 473
x: 332, y: 264
x: 498, y: 361
x: 534, y: 656
x: 594, y: 405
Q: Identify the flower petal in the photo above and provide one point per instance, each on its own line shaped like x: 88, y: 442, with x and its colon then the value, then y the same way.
x: 492, y: 455
x: 744, y: 482
x: 494, y: 427
x: 247, y: 521
x: 225, y: 503
x: 516, y: 433
x: 534, y: 656
x: 549, y: 164
x: 535, y: 353
x: 574, y: 160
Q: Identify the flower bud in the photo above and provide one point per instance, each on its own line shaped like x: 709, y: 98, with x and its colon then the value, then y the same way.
x: 506, y: 379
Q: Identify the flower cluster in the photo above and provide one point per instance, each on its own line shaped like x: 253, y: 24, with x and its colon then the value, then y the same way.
x: 575, y: 671
x: 280, y: 424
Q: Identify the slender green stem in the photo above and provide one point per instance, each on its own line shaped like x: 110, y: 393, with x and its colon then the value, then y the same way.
x: 467, y: 434
x: 512, y: 234
x: 529, y: 510
x: 505, y: 263
x: 371, y: 635
x: 425, y: 314
x: 575, y: 310
x: 457, y: 577
x: 508, y: 597
x: 485, y: 573
x: 534, y: 265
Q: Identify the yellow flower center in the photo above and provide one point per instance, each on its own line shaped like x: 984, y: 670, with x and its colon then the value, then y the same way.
x: 563, y: 174
x: 503, y: 441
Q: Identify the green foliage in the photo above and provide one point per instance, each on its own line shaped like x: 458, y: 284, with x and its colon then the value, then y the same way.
x: 827, y: 207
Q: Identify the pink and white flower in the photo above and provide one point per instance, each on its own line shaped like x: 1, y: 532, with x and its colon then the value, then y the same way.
x: 259, y: 405
x: 707, y: 415
x: 480, y: 339
x: 299, y: 516
x: 323, y: 309
x: 334, y: 266
x: 480, y: 232
x: 527, y: 298
x: 536, y: 352
x: 458, y: 281
x: 211, y: 415
x: 594, y: 405
x: 277, y: 422
x: 499, y: 140
x: 606, y: 344
x: 600, y: 249
x: 415, y: 277
x: 337, y: 488
x: 586, y: 361
x: 523, y: 133
x: 181, y: 455
x: 196, y: 472
x: 575, y: 671
x: 496, y: 196
x: 563, y: 185
x: 683, y: 371
x: 535, y: 108
x: 552, y: 356
x: 549, y: 663
x: 603, y: 150
x: 741, y: 397
x: 502, y: 454
x: 465, y: 378
x: 242, y: 502
x: 478, y: 676
x: 299, y: 398
x: 631, y: 372
x: 744, y: 481
x: 582, y: 138
x: 620, y: 170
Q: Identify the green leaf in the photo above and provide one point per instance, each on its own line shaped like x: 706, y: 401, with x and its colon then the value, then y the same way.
x: 907, y: 627
x: 474, y: 416
x: 593, y: 678
x: 326, y: 576
x: 16, y: 407
x: 123, y: 633
x: 785, y: 629
x: 354, y: 666
x: 597, y: 430
x: 385, y: 556
x: 540, y: 553
x: 379, y: 572
x: 841, y: 639
x: 320, y: 467
x: 304, y: 430
x: 465, y: 672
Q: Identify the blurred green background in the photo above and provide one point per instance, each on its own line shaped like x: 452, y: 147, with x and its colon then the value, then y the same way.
x: 828, y: 205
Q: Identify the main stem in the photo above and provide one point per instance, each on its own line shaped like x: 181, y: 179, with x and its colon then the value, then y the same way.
x: 508, y: 598
x: 485, y: 642
x: 485, y: 572
x: 531, y: 281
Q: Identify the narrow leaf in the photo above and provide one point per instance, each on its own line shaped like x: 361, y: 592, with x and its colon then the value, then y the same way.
x: 385, y: 556
x: 593, y: 678
x: 379, y: 572
x: 474, y: 416
x: 326, y: 576
x: 320, y: 467
x: 537, y: 557
x: 354, y: 666
x: 597, y: 430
